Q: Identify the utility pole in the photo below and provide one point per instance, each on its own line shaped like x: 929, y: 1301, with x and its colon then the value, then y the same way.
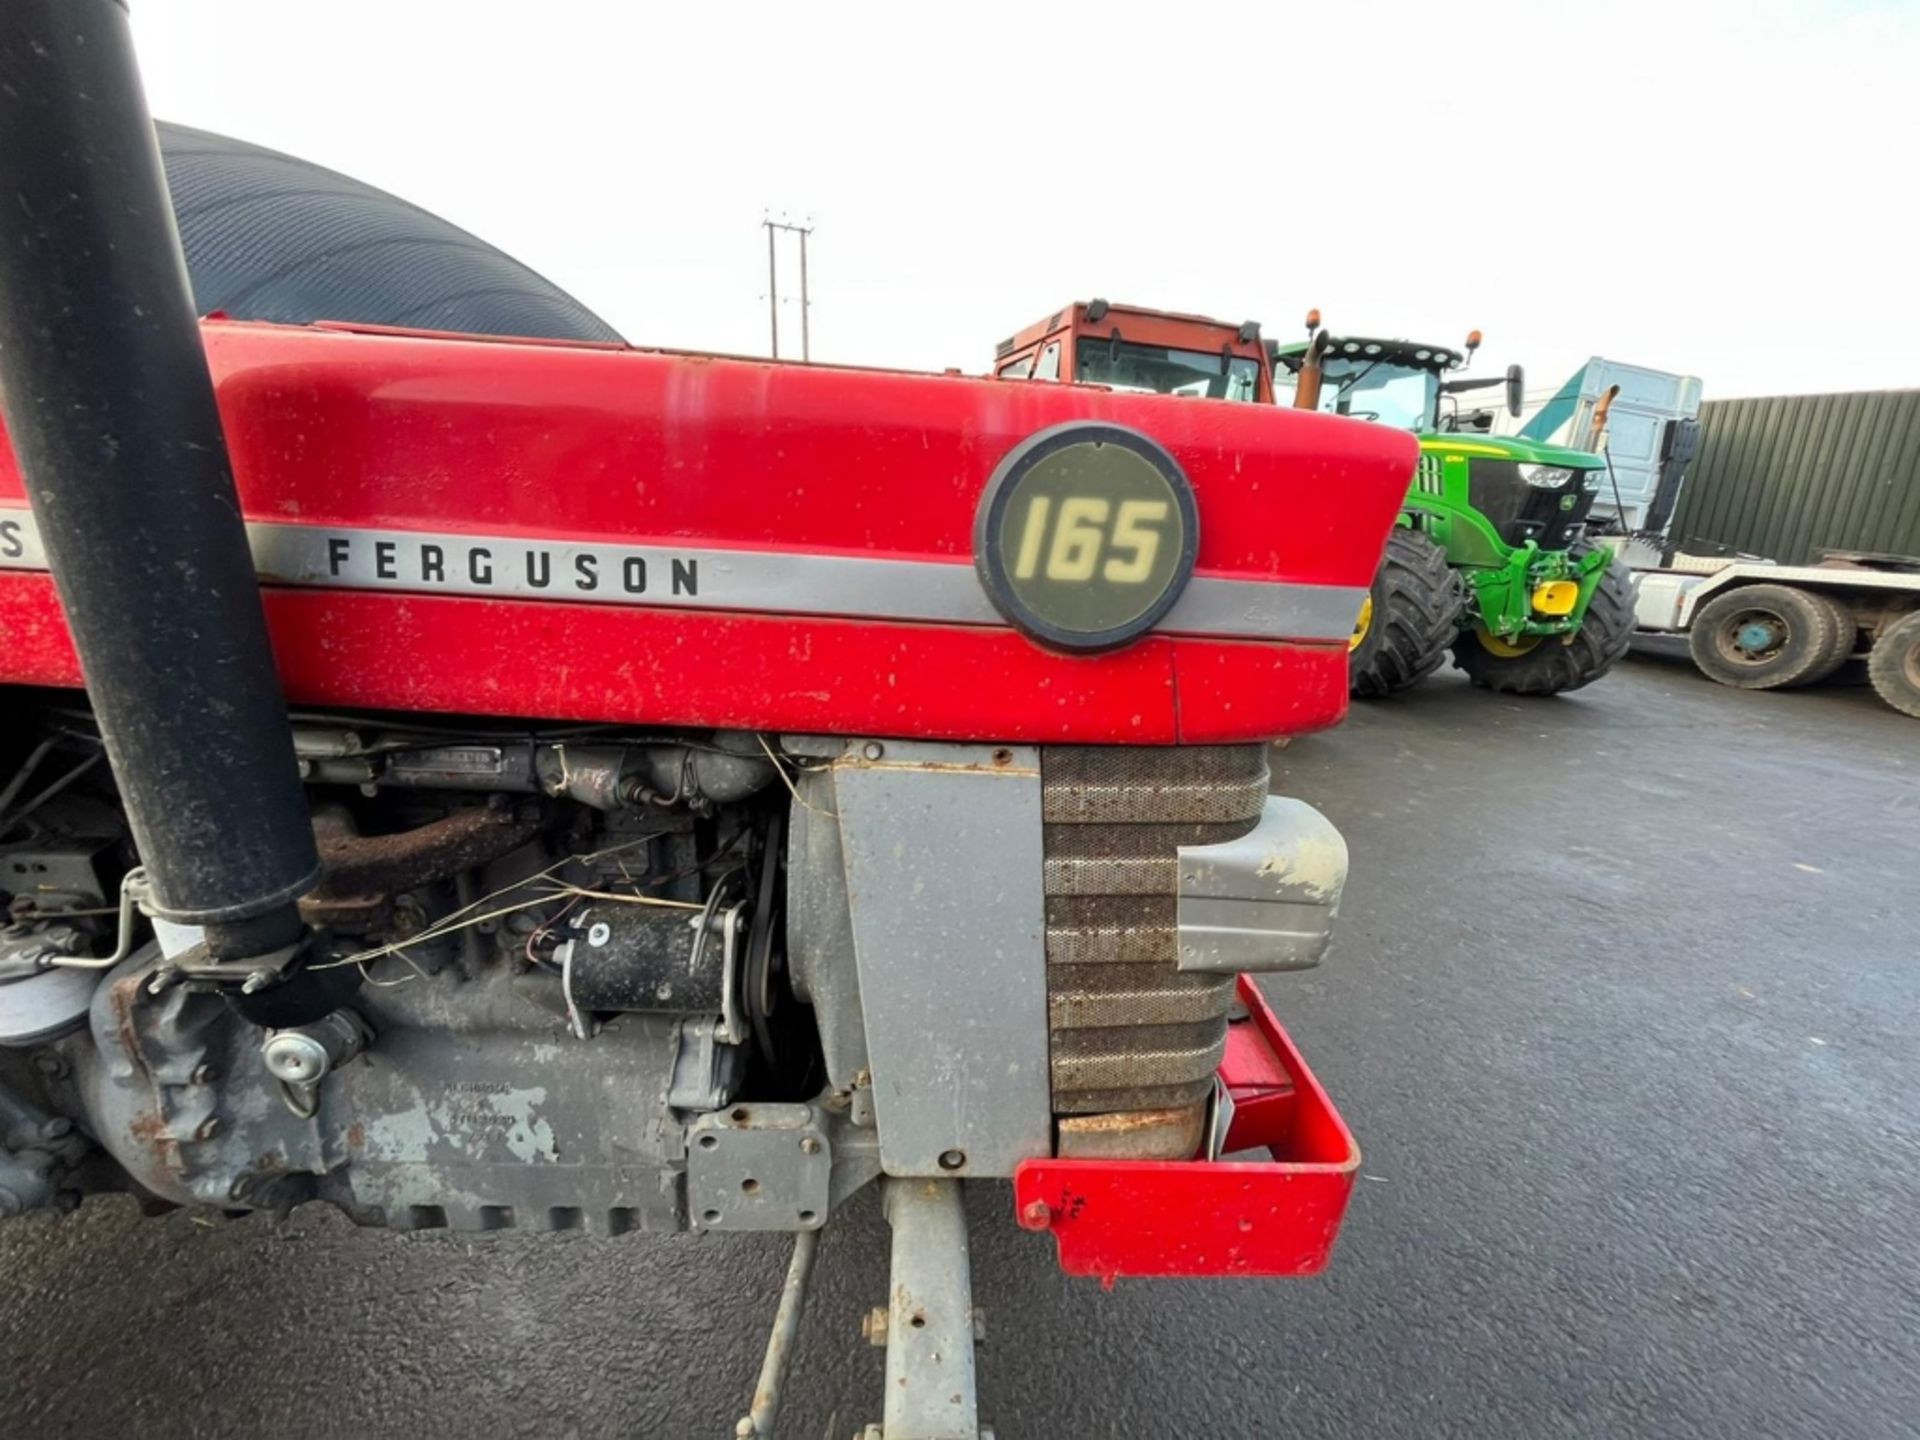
x: 773, y: 284
x: 773, y: 289
x: 806, y: 350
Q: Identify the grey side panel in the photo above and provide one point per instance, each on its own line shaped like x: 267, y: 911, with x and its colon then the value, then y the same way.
x: 943, y: 863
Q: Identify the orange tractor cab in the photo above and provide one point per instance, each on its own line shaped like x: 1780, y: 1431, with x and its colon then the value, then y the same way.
x: 1128, y: 347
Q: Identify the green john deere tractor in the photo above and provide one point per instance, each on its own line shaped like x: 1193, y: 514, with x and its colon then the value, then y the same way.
x: 1491, y: 559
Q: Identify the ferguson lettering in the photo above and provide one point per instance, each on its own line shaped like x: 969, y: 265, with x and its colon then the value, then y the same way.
x: 452, y: 565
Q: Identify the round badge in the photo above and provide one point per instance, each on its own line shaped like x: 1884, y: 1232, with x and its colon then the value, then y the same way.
x: 1086, y: 535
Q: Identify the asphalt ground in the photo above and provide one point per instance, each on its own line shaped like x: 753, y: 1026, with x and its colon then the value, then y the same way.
x: 1625, y: 1010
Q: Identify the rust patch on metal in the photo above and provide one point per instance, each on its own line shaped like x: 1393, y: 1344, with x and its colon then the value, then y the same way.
x: 1134, y: 1134
x: 121, y: 995
x: 354, y: 864
x: 361, y: 873
x: 149, y: 1128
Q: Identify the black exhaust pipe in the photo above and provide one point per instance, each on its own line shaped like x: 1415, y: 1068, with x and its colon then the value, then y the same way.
x: 106, y: 395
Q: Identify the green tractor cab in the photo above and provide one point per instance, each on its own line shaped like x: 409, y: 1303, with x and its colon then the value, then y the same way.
x: 1491, y: 559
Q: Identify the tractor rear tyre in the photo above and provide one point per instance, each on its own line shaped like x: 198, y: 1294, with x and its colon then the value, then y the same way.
x: 1894, y: 665
x: 1767, y: 637
x: 1546, y: 665
x: 1410, y: 615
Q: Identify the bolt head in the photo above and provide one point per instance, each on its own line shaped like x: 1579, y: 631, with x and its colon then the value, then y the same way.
x: 809, y: 1145
x: 1035, y: 1215
x: 873, y: 750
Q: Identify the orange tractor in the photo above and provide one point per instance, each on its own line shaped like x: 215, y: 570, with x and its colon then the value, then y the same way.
x: 1128, y: 347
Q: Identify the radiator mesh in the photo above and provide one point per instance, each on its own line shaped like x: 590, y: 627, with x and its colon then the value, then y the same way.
x: 1130, y: 1032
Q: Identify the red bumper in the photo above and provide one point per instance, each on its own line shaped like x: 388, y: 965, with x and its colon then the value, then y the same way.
x: 1277, y: 1214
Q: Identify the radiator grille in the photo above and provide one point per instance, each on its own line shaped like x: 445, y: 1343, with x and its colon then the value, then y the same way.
x: 1130, y: 1032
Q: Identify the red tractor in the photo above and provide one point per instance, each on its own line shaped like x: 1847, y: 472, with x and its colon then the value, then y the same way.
x: 493, y: 784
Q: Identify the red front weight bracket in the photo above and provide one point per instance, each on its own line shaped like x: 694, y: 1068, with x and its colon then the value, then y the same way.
x: 1248, y: 1213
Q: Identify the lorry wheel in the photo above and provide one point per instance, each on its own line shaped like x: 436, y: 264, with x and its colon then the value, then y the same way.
x: 1764, y: 637
x: 1411, y: 613
x: 1846, y: 637
x: 1544, y: 665
x: 1894, y: 665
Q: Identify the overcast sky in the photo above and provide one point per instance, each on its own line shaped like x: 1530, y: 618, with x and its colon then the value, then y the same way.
x: 1724, y: 189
